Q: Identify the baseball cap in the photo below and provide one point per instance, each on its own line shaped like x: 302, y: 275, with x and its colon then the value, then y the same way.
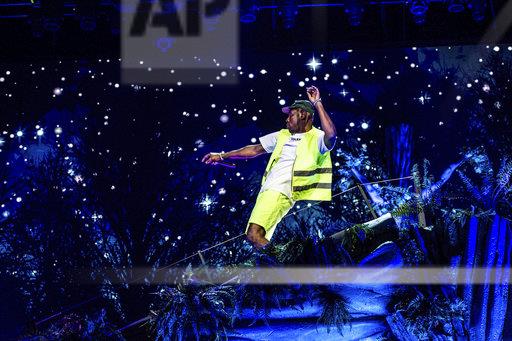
x: 300, y: 104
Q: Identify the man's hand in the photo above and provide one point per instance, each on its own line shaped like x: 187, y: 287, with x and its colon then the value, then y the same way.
x: 313, y: 93
x: 211, y: 158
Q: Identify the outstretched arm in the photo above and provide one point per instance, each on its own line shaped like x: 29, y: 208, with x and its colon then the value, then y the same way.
x: 246, y: 152
x: 325, y: 120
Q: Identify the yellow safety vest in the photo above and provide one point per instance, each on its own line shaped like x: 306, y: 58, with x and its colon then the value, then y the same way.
x: 311, y: 171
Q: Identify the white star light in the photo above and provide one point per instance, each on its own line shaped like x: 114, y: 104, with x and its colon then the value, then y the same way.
x: 344, y: 93
x: 313, y: 63
x: 206, y: 203
x: 424, y: 98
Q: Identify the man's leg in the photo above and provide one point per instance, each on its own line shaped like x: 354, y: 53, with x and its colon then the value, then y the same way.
x: 256, y: 235
x: 270, y: 207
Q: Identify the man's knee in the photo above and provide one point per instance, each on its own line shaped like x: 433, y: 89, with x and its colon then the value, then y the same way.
x: 255, y: 233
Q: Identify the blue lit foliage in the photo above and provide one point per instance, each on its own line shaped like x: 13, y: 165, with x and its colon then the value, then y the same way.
x: 488, y: 231
x: 472, y: 235
x: 74, y: 325
x: 190, y: 311
x: 54, y: 236
x: 489, y: 189
x: 429, y: 314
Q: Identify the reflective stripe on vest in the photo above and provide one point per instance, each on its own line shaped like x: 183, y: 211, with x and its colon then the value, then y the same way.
x: 313, y: 172
x: 310, y: 186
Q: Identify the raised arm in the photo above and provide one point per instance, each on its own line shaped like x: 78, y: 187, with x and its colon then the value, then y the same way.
x: 246, y: 152
x: 325, y: 120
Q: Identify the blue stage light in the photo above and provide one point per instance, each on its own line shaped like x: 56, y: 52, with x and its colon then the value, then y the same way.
x: 419, y: 7
x: 419, y: 19
x: 455, y: 6
x: 248, y: 10
x: 478, y: 9
x: 290, y: 11
x: 354, y: 12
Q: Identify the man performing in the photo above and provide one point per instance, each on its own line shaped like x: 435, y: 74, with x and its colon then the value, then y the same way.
x: 299, y: 168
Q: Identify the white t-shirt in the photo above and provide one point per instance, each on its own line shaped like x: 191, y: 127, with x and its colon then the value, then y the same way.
x: 280, y: 176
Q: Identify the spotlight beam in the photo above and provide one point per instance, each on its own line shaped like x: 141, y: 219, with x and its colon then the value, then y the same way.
x: 500, y: 26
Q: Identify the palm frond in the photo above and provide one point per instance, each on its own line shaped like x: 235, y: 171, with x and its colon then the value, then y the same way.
x: 190, y: 311
x: 503, y: 183
x: 426, y: 178
x: 413, y: 206
x: 472, y: 188
x: 335, y: 313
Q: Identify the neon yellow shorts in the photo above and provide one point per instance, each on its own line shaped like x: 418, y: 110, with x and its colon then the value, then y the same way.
x: 271, y: 206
